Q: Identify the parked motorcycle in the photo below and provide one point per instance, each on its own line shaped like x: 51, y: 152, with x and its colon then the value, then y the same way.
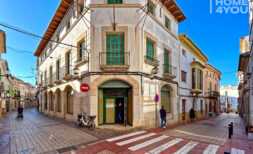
x: 84, y: 120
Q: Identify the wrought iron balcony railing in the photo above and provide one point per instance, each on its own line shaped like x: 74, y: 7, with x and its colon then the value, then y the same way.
x: 169, y: 70
x: 109, y: 60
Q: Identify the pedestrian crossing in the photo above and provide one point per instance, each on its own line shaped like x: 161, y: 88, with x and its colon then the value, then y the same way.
x: 153, y: 143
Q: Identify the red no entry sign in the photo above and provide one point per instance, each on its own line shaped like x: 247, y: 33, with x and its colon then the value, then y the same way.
x: 84, y: 87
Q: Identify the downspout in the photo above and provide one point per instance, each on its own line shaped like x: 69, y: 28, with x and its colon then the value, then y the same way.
x: 178, y: 94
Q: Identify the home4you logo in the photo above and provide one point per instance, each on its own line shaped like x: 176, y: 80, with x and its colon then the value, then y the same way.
x: 229, y: 6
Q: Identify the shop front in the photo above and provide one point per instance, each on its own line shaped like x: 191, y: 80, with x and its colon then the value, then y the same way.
x: 115, y: 103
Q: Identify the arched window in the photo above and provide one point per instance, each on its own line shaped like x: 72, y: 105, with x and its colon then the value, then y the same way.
x: 166, y: 98
x: 69, y: 100
x: 58, y: 103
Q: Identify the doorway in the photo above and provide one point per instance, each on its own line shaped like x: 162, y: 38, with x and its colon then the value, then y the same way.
x: 115, y: 103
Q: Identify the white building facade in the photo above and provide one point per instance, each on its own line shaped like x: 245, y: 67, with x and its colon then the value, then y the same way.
x: 126, y: 51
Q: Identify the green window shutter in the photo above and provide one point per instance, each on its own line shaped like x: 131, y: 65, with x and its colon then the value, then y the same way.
x: 150, y: 49
x: 166, y: 61
x: 114, y: 1
x: 115, y: 49
x: 167, y: 23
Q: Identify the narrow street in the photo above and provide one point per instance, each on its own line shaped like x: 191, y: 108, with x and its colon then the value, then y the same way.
x: 37, y: 133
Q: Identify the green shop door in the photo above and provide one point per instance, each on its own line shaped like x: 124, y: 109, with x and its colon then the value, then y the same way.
x: 109, y: 110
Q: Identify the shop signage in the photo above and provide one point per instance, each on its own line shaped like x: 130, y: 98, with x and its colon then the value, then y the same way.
x: 84, y: 87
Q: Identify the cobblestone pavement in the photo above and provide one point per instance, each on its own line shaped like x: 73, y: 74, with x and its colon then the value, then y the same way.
x: 207, y: 137
x: 37, y: 133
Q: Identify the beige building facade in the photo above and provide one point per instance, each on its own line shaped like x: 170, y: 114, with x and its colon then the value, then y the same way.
x: 126, y: 52
x: 193, y: 89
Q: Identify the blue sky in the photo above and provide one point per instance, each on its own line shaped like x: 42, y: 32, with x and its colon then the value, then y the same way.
x: 216, y: 34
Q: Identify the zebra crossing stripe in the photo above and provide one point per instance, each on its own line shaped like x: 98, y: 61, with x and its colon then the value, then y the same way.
x: 186, y: 148
x: 165, y: 146
x: 211, y: 149
x: 135, y: 139
x: 237, y: 151
x: 125, y: 136
x: 147, y: 143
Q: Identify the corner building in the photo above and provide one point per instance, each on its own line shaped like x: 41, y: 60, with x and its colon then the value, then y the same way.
x: 127, y: 51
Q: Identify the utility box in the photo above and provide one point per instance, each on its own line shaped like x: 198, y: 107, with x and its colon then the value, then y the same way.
x: 2, y: 42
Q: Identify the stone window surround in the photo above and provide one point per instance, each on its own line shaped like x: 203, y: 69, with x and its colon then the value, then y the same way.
x: 81, y: 38
x: 147, y: 35
x: 109, y: 30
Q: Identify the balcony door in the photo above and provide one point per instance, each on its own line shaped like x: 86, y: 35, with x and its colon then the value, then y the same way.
x: 115, y: 49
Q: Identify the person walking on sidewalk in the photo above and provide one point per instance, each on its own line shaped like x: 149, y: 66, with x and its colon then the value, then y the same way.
x: 163, y: 117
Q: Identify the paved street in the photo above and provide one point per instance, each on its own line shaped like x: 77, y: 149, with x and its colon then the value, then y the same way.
x: 39, y: 134
x: 208, y: 137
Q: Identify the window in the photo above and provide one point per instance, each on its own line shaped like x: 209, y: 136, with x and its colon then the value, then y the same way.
x: 183, y: 76
x: 167, y: 62
x: 201, y: 106
x: 165, y: 98
x: 81, y: 50
x: 151, y: 7
x: 45, y: 77
x: 197, y: 79
x: 115, y: 47
x: 193, y: 78
x: 80, y: 6
x: 41, y: 78
x: 68, y: 24
x: 167, y: 23
x: 183, y: 52
x: 114, y: 1
x: 67, y: 63
x: 51, y: 74
x: 150, y: 47
x: 160, y: 12
x: 58, y: 70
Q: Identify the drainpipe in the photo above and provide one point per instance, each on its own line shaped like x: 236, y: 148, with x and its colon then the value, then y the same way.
x: 178, y: 94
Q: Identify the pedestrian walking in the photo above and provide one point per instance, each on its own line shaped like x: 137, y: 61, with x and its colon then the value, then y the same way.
x: 230, y: 130
x: 192, y: 114
x: 163, y: 117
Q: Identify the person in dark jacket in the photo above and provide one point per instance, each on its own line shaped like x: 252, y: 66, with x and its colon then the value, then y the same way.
x: 163, y: 117
x: 230, y: 130
x: 192, y: 114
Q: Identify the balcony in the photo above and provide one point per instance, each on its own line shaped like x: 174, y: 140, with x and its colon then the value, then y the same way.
x: 169, y: 71
x: 114, y: 62
x: 213, y: 94
x: 83, y: 60
x: 152, y: 61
